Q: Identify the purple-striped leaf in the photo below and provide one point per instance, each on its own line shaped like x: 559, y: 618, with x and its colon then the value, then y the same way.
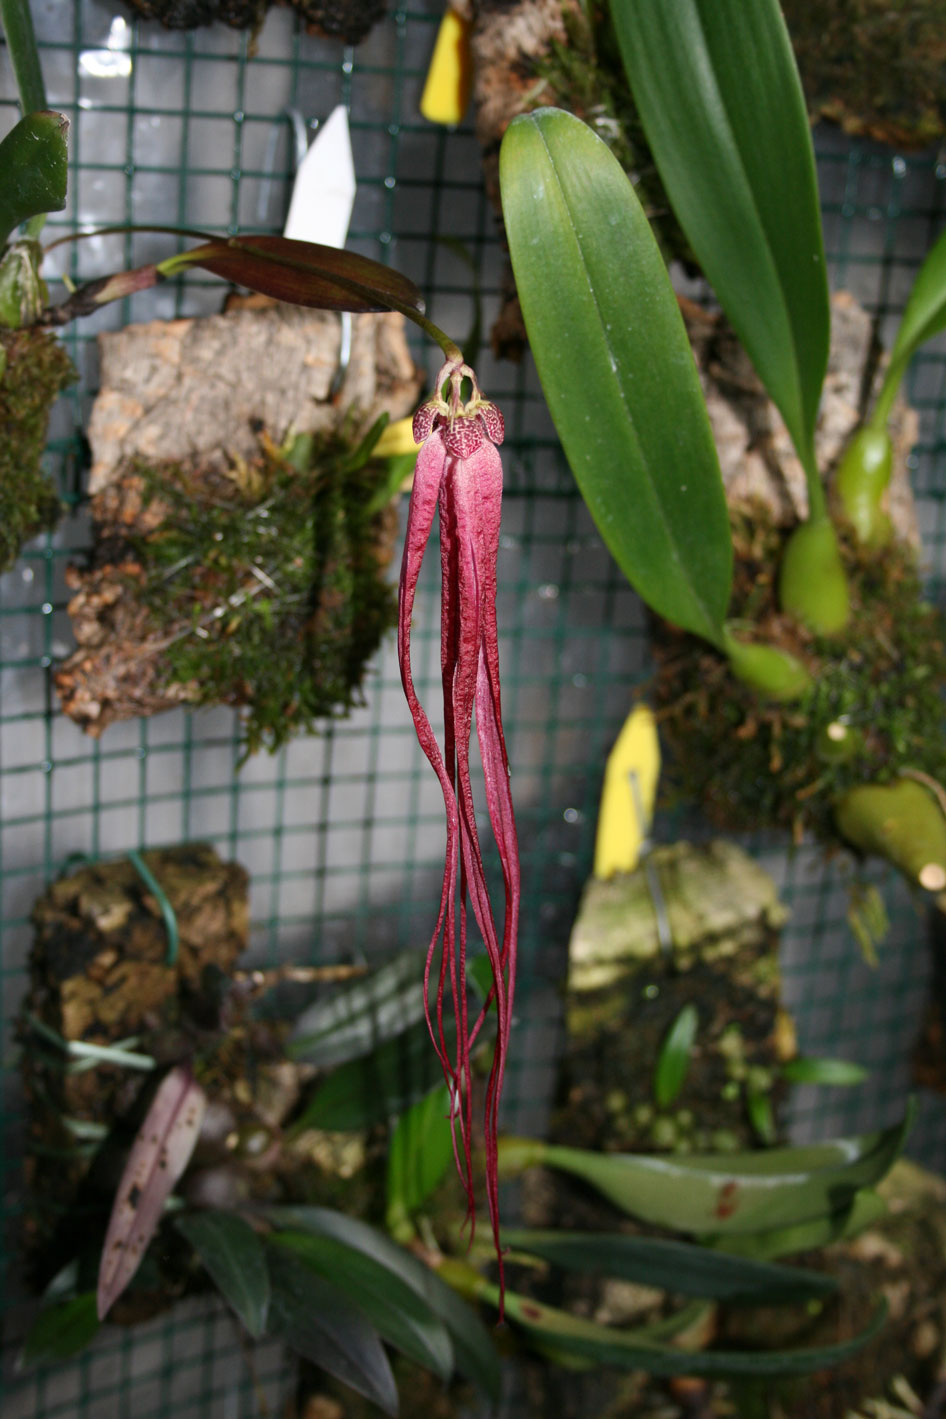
x: 302, y: 272
x: 158, y: 1157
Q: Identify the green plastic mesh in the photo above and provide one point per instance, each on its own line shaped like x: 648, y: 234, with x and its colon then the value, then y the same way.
x: 342, y: 832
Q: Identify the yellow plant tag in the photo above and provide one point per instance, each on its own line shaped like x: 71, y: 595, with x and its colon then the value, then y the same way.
x: 450, y: 76
x: 396, y: 438
x: 627, y: 798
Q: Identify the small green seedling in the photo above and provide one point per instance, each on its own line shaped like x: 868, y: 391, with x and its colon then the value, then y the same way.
x: 673, y: 1061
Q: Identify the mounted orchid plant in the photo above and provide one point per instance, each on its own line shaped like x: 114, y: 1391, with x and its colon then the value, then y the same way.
x: 719, y: 98
x: 229, y: 1185
x: 458, y: 467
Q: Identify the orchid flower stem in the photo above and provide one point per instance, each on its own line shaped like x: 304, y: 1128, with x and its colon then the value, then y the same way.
x: 124, y: 229
x: 24, y: 55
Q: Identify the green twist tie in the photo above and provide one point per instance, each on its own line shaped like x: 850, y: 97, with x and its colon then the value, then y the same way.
x: 154, y: 886
x: 167, y: 911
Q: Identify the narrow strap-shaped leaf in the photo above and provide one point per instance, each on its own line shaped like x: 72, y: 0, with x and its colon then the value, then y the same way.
x: 681, y: 1267
x: 33, y: 159
x: 359, y: 1017
x: 372, y: 1089
x: 855, y: 1215
x: 302, y: 272
x: 419, y: 1153
x: 673, y: 1061
x: 924, y: 317
x: 719, y: 96
x: 24, y: 53
x: 233, y: 1254
x: 726, y: 1193
x: 320, y: 1323
x: 475, y: 1354
x: 559, y: 1334
x: 806, y: 1069
x: 616, y: 366
x: 399, y: 1315
x: 61, y: 1330
x: 157, y: 1159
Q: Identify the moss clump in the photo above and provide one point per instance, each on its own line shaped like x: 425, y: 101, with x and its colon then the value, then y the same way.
x: 34, y: 369
x: 872, y: 66
x: 268, y: 581
x: 756, y: 764
x: 349, y: 20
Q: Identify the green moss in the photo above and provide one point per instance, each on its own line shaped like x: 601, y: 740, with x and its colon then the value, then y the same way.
x: 755, y: 764
x: 34, y: 368
x: 874, y: 66
x: 269, y: 582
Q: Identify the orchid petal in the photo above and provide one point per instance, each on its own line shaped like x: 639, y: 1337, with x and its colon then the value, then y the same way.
x: 428, y: 475
x: 459, y: 468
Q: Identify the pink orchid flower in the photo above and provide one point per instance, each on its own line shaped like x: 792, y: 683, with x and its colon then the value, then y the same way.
x: 459, y: 470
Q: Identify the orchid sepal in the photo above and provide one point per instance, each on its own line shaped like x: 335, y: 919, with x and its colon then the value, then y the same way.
x: 459, y: 473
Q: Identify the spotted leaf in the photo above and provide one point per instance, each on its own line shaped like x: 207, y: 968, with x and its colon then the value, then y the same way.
x: 158, y: 1157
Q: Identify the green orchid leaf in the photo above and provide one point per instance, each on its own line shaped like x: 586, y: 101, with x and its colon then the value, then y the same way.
x: 359, y: 1017
x: 33, y: 160
x: 419, y: 1154
x: 479, y: 975
x: 805, y: 1070
x: 474, y: 1352
x: 61, y: 1330
x: 559, y: 1334
x: 673, y: 1060
x: 359, y: 456
x: 400, y: 467
x: 721, y: 103
x: 319, y: 1322
x: 616, y: 366
x: 761, y: 1114
x: 725, y: 1193
x: 376, y: 1087
x: 679, y: 1267
x: 862, y: 1211
x: 233, y: 1254
x: 924, y: 317
x: 925, y: 313
x: 20, y: 41
x: 401, y: 1317
x: 302, y: 272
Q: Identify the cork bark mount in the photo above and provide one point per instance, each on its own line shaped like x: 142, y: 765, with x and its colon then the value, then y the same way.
x: 198, y: 426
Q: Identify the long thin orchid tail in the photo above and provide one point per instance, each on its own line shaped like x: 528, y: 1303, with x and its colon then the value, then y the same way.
x: 459, y: 469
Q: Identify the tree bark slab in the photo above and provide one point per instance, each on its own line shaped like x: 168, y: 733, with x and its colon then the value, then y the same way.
x: 200, y: 395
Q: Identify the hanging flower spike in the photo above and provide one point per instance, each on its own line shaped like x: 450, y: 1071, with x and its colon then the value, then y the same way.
x: 459, y: 470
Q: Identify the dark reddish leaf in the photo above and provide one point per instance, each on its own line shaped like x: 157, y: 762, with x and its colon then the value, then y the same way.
x: 303, y: 273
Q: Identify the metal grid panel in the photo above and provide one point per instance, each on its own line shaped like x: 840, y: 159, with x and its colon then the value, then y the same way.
x: 342, y: 832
